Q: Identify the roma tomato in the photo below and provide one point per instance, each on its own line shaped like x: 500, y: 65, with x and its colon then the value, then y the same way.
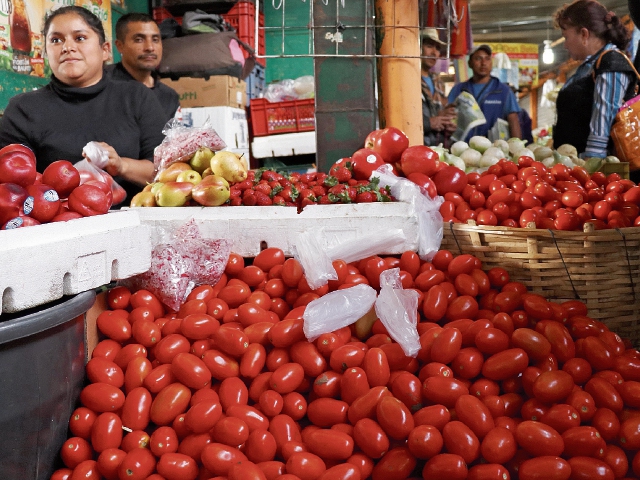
x: 396, y: 464
x: 539, y: 439
x: 548, y: 467
x: 446, y: 465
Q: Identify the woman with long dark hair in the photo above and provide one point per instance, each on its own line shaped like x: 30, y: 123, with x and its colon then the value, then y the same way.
x: 588, y: 102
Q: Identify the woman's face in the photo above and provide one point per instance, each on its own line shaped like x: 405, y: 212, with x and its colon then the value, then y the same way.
x: 74, y: 51
x: 574, y: 43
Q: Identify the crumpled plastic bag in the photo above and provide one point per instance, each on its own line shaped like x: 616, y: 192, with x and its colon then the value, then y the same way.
x: 426, y: 209
x: 90, y: 172
x: 180, y: 261
x: 181, y: 142
x: 317, y: 266
x: 397, y: 310
x: 97, y: 155
x: 337, y: 309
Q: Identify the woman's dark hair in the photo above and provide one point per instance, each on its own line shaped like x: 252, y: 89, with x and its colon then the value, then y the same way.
x: 90, y: 19
x: 594, y: 17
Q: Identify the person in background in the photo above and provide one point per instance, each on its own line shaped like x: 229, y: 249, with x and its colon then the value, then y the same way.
x: 139, y: 43
x: 589, y: 100
x: 81, y: 104
x: 496, y: 100
x: 436, y: 119
x: 634, y: 14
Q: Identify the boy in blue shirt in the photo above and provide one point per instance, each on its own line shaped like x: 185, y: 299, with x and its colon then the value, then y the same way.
x: 496, y: 100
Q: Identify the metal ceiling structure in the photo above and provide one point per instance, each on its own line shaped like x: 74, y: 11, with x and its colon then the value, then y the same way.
x: 525, y: 21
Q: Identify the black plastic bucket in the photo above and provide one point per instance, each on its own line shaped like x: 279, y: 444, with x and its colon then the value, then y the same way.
x: 42, y: 359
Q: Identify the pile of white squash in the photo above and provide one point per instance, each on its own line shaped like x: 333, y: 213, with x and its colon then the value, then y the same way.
x: 480, y: 153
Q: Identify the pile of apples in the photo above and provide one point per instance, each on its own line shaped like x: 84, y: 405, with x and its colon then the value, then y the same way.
x: 58, y: 194
x: 204, y: 179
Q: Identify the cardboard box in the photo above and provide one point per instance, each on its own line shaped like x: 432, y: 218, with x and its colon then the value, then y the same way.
x: 217, y: 91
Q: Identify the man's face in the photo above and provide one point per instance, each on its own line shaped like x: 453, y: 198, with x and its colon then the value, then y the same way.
x: 429, y: 49
x: 481, y: 63
x: 142, y: 46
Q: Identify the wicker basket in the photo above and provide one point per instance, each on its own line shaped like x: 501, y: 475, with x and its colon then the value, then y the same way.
x: 601, y: 268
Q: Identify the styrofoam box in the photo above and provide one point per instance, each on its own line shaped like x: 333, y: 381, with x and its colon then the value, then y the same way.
x: 228, y: 122
x: 253, y: 228
x: 42, y: 263
x: 284, y: 145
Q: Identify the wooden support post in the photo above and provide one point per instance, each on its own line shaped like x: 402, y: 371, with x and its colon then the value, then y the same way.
x: 399, y: 91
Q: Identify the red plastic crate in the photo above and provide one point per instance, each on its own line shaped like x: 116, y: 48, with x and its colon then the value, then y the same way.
x: 282, y: 117
x: 242, y: 17
x: 160, y: 13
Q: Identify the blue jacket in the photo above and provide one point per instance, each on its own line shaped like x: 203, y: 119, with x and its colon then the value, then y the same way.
x: 495, y: 98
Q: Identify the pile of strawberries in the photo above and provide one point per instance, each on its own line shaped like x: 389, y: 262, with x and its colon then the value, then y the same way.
x: 265, y: 187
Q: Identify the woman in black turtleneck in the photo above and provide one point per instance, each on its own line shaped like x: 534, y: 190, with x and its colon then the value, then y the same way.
x: 81, y: 104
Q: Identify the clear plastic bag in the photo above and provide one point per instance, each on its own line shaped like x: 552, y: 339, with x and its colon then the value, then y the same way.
x: 167, y: 278
x: 281, y: 91
x: 304, y: 86
x: 180, y: 261
x: 317, y: 265
x: 97, y: 155
x: 363, y: 247
x: 208, y: 256
x: 426, y: 209
x: 397, y: 309
x: 337, y: 309
x: 89, y: 172
x: 181, y: 142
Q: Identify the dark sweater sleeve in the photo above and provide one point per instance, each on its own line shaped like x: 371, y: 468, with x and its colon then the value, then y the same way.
x: 14, y: 125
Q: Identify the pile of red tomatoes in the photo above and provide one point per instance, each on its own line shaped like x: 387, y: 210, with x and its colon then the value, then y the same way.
x: 506, y: 384
x: 561, y: 198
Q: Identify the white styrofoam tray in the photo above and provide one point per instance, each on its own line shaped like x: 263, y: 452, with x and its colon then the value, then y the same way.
x: 253, y: 228
x: 42, y: 263
x: 284, y: 145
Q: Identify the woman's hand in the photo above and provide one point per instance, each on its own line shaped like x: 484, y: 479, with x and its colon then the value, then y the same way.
x: 114, y: 166
x: 137, y: 171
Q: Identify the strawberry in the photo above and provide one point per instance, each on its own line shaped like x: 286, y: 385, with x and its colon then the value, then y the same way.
x: 263, y: 188
x: 324, y: 200
x: 319, y: 190
x: 342, y: 174
x: 263, y: 199
x: 235, y: 201
x: 278, y: 200
x: 249, y: 200
x: 365, y: 197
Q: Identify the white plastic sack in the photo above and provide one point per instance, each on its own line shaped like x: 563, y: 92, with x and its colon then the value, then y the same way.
x: 397, y: 310
x: 426, y: 209
x: 363, y: 247
x: 337, y: 309
x: 317, y: 265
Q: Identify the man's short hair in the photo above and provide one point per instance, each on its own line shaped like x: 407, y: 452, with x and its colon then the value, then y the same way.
x: 126, y: 19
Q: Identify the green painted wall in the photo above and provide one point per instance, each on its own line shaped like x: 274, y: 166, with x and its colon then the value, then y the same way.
x: 296, y: 39
x: 12, y: 84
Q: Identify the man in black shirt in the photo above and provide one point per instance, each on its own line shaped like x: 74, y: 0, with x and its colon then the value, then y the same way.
x: 140, y: 45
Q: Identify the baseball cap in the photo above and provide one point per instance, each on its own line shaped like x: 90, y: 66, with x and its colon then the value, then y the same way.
x: 431, y: 34
x: 484, y: 47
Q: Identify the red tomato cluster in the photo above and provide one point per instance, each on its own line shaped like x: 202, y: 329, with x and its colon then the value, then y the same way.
x: 506, y: 384
x: 266, y: 187
x: 28, y: 197
x: 560, y: 198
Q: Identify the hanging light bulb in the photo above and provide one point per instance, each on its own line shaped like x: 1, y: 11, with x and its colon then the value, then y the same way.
x: 547, y: 54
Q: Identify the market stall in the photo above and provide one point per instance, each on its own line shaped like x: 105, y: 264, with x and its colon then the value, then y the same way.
x: 411, y: 312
